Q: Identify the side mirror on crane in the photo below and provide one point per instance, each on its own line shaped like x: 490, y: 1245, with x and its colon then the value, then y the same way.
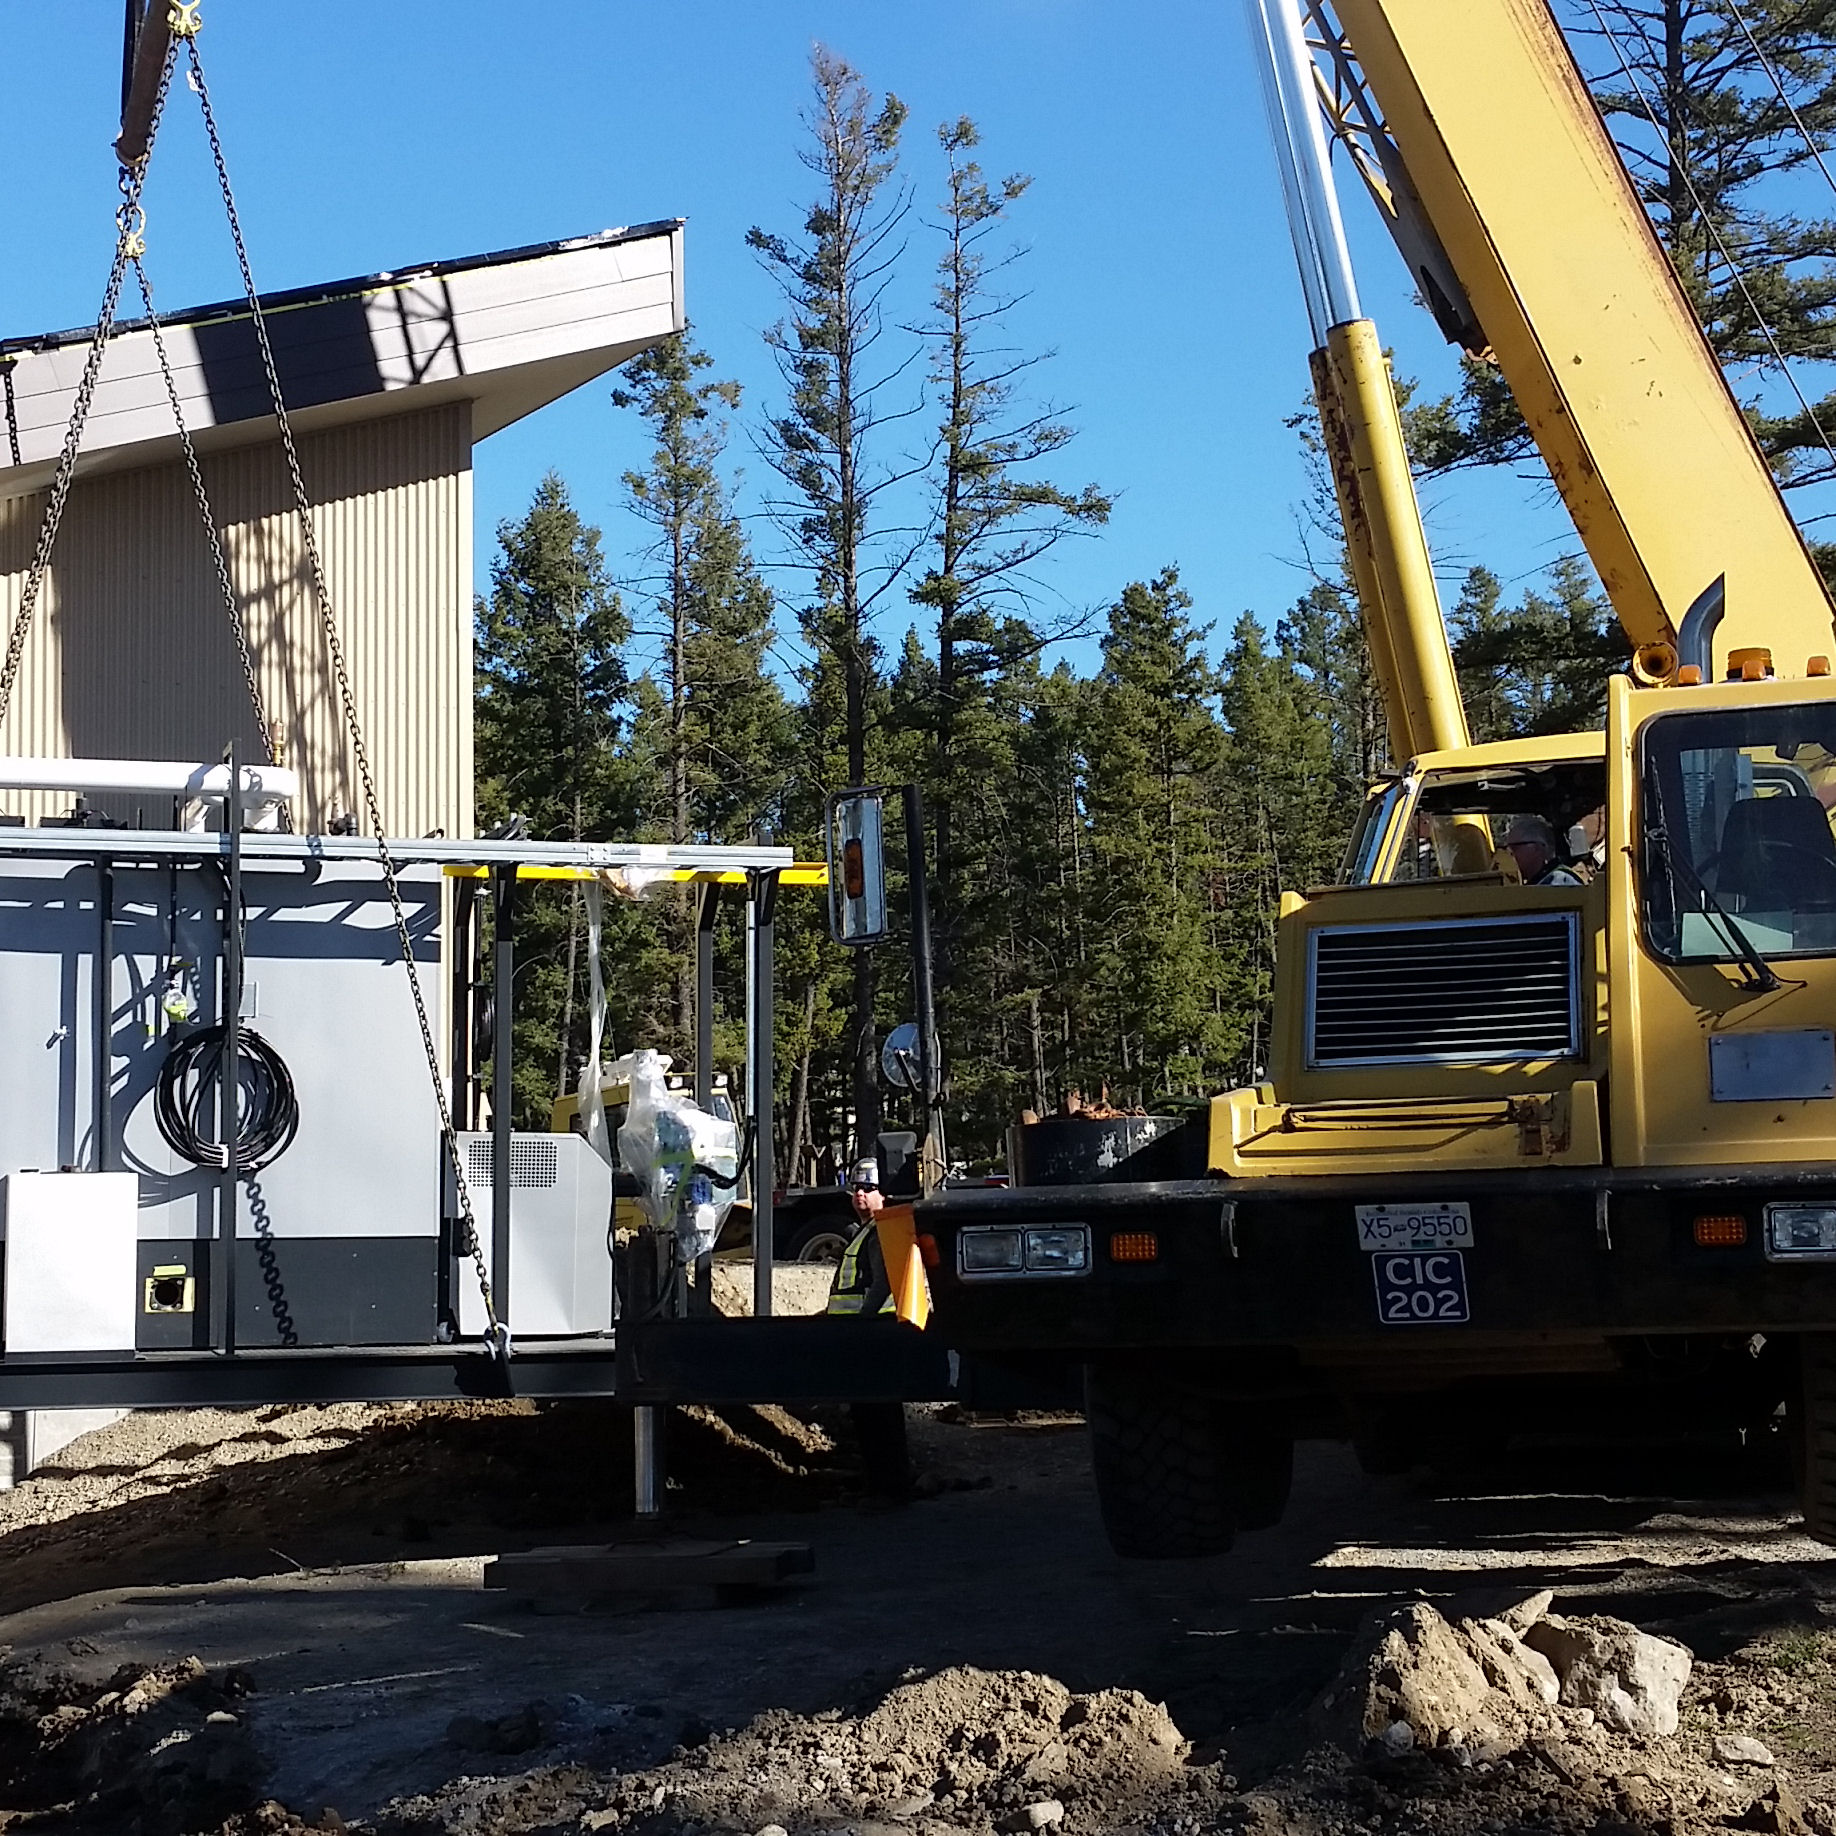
x: 854, y: 822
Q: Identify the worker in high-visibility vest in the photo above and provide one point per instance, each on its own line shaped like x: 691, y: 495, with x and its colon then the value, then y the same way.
x: 882, y: 1269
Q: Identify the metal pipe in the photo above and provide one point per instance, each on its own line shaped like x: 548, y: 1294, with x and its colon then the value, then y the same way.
x: 1314, y: 223
x: 647, y: 1460
x: 707, y: 907
x: 1307, y: 135
x: 931, y: 1161
x: 1696, y: 635
x: 762, y: 902
x: 460, y: 990
x: 102, y: 1127
x: 707, y: 904
x: 229, y: 1086
x: 130, y: 40
x: 1285, y: 163
x: 153, y: 38
x: 503, y: 994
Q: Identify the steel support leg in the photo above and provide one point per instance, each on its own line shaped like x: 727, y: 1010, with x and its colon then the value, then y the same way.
x: 762, y: 894
x: 647, y: 1452
x: 503, y: 997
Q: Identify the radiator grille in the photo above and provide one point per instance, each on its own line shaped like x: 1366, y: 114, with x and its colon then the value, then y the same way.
x: 532, y: 1163
x: 1466, y: 989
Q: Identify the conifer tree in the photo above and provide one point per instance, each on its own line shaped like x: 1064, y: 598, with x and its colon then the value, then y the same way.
x: 829, y: 444
x: 550, y: 712
x: 993, y: 517
x: 1154, y: 747
x: 1540, y: 666
x: 717, y: 734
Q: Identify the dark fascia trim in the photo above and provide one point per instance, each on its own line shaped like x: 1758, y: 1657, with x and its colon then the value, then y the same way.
x: 11, y: 349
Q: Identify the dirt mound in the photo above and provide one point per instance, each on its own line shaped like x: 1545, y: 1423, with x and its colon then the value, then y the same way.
x: 188, y: 1495
x: 155, y: 1752
x: 964, y: 1750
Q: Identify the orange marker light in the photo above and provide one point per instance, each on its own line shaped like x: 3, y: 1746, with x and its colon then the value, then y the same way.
x: 1689, y: 676
x: 1817, y: 666
x: 1134, y: 1246
x: 1720, y: 1233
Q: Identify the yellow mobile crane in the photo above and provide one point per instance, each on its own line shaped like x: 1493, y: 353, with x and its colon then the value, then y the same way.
x: 1517, y: 1140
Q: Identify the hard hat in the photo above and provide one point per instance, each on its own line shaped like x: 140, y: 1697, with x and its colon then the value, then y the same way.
x: 864, y: 1175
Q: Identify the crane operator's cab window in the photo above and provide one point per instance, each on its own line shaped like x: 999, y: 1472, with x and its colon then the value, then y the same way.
x: 1455, y: 824
x: 1739, y: 853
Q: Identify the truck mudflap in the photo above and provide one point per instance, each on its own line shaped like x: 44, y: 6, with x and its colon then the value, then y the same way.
x: 1387, y: 1265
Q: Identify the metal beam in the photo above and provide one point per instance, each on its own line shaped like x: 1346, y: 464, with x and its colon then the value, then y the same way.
x: 152, y: 42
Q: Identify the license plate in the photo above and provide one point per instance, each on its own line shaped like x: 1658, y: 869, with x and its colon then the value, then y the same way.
x: 1421, y: 1287
x: 1448, y: 1225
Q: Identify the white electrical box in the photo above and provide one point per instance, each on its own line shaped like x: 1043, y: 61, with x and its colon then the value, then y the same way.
x: 560, y: 1236
x: 70, y: 1261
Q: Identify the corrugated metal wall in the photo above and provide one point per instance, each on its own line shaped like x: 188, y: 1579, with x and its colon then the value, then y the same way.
x: 131, y: 654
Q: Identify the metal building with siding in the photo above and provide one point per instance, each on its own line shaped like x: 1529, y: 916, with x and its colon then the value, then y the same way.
x: 390, y: 381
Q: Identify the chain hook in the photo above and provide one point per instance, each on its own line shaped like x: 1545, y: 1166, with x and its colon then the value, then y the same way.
x: 131, y: 222
x: 182, y: 19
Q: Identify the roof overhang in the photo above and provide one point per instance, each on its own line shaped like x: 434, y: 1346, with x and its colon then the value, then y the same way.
x: 508, y: 333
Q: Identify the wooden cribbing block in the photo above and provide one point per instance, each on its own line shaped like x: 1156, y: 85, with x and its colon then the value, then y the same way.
x: 610, y: 1568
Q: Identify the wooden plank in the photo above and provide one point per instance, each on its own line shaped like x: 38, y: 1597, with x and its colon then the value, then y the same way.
x: 607, y: 1568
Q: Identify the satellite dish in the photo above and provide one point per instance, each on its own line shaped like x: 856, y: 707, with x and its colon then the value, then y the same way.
x: 899, y: 1056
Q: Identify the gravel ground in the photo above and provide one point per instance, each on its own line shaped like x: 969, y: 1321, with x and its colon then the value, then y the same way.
x: 274, y: 1620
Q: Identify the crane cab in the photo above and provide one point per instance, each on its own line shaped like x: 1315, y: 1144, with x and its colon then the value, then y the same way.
x: 1434, y: 1010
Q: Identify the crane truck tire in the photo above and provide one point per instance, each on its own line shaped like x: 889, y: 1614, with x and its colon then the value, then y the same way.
x: 1816, y: 1435
x: 1179, y: 1473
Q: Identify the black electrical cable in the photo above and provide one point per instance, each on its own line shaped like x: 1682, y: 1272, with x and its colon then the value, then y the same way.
x: 267, y: 1110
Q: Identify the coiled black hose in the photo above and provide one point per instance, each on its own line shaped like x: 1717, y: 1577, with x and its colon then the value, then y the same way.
x: 267, y: 1109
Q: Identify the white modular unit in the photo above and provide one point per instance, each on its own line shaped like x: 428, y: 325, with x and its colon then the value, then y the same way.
x: 560, y: 1236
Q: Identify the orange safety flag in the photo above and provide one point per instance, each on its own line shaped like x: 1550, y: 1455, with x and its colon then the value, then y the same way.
x: 911, y: 1291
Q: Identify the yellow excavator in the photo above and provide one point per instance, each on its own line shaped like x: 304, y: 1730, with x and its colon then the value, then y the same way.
x: 1550, y: 1119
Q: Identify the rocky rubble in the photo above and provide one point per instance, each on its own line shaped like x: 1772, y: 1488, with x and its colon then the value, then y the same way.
x: 1483, y: 1686
x: 153, y: 1752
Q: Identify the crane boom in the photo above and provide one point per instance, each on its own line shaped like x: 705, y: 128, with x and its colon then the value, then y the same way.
x: 1647, y: 445
x: 1360, y: 425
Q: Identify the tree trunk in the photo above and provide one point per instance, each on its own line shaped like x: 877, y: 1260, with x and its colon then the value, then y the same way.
x: 800, y: 1093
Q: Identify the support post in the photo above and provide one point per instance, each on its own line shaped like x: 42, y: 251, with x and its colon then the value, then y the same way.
x: 647, y: 1460
x: 707, y: 907
x: 229, y: 1072
x: 101, y: 1101
x: 707, y: 903
x: 931, y: 1161
x: 503, y: 996
x: 462, y: 980
x: 762, y: 905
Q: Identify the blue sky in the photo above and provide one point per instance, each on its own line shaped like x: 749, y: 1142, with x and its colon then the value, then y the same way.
x: 1159, y: 270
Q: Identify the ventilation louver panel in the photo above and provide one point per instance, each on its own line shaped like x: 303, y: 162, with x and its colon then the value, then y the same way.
x: 532, y: 1163
x: 1461, y: 990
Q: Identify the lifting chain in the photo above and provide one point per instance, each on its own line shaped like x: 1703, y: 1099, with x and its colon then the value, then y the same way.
x: 497, y: 1331
x: 130, y: 241
x: 270, y: 742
